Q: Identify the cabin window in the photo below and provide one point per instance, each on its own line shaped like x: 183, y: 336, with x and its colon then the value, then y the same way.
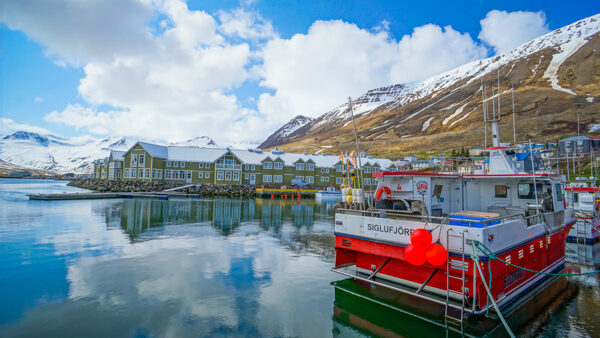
x: 500, y: 191
x: 559, y: 192
x: 527, y: 190
x: 437, y: 191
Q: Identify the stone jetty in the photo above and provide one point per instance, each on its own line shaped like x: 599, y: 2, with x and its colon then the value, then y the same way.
x: 158, y: 186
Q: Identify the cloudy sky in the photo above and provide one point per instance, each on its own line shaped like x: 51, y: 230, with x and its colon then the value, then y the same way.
x: 235, y: 70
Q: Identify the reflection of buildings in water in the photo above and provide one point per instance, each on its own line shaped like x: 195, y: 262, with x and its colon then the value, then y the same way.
x: 582, y: 257
x: 138, y: 215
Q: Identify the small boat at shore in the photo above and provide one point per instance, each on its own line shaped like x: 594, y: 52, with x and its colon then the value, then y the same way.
x: 472, y: 243
x: 330, y: 194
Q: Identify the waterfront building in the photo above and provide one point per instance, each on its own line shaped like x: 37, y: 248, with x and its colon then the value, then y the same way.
x: 150, y: 162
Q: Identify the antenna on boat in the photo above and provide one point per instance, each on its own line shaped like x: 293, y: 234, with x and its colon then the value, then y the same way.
x: 537, y: 204
x: 512, y: 90
x: 483, y: 107
x: 356, y: 143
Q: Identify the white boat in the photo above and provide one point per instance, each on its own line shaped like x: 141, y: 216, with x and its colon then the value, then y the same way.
x: 586, y: 201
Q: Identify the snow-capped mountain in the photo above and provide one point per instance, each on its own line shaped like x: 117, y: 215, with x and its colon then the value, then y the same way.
x: 200, y: 141
x: 551, y: 75
x: 287, y: 130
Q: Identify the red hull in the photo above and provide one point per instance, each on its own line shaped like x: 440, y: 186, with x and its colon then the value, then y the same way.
x: 541, y: 254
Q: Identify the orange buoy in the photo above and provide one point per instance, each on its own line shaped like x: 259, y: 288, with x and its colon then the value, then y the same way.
x: 415, y: 255
x: 272, y: 196
x: 281, y: 197
x: 436, y: 255
x: 421, y: 237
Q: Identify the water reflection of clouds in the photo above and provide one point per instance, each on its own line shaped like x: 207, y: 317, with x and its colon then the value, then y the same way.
x: 185, y: 267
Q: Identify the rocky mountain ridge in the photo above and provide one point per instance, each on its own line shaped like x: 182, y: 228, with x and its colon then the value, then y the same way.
x: 553, y: 76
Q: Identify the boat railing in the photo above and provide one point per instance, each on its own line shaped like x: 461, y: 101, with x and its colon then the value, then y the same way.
x: 403, y: 215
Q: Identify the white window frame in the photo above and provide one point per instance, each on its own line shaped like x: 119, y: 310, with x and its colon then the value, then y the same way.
x: 324, y: 178
x: 268, y: 165
x: 126, y: 173
x: 133, y: 160
x: 236, y: 176
x: 339, y: 168
x: 200, y: 174
x: 367, y: 170
x: 246, y: 167
x: 220, y: 175
x: 310, y: 167
x: 277, y: 178
x: 299, y: 166
x: 278, y: 165
x: 141, y: 173
x: 300, y: 178
x: 207, y: 166
x: 310, y: 179
x: 206, y: 175
x: 141, y: 160
x: 182, y: 165
x: 175, y: 164
x: 200, y: 165
x: 267, y: 178
x: 228, y: 176
x: 168, y: 164
x: 252, y: 168
x: 339, y: 180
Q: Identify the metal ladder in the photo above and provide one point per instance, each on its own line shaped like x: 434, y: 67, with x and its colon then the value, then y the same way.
x: 450, y: 319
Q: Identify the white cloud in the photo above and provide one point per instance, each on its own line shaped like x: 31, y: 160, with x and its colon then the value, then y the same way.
x: 38, y: 99
x: 314, y: 72
x: 8, y: 126
x: 245, y: 24
x: 505, y: 31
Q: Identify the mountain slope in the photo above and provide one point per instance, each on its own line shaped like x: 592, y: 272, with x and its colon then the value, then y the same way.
x: 553, y: 76
x: 287, y: 130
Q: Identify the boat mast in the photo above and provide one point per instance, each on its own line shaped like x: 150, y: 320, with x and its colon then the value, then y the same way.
x: 356, y: 143
x: 512, y: 89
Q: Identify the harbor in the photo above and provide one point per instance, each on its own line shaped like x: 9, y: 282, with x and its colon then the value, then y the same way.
x: 251, y: 252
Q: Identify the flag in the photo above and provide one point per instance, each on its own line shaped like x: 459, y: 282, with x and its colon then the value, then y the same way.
x: 341, y: 156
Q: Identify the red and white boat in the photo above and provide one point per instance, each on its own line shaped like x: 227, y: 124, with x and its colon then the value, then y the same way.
x: 585, y: 201
x: 520, y: 217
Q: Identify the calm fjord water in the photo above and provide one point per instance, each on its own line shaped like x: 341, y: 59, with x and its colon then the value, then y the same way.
x: 189, y: 267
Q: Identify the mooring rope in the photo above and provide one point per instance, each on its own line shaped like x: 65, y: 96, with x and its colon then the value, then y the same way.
x: 486, y: 251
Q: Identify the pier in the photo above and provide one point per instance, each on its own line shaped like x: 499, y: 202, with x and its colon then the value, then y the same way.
x: 285, y: 193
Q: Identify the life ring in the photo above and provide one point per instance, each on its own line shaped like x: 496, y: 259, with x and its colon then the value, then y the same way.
x: 380, y: 191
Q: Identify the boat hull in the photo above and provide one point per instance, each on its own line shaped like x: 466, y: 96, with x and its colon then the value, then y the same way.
x: 543, y: 253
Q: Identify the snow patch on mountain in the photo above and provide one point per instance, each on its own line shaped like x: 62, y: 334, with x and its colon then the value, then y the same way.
x: 200, y: 141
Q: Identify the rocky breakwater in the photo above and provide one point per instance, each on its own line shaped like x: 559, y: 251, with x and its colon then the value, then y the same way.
x: 157, y: 186
x: 123, y: 186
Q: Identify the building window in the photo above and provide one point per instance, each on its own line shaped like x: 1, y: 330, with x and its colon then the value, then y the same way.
x: 310, y: 166
x: 207, y: 165
x: 324, y: 170
x: 189, y: 174
x: 500, y: 191
x: 338, y: 180
x: 142, y: 159
x: 228, y: 176
x: 133, y: 160
x: 246, y: 176
x: 167, y: 174
x: 268, y: 165
x: 200, y: 165
x: 182, y: 164
x: 236, y: 176
x: 140, y: 173
x: 324, y: 178
x: 339, y: 168
x: 252, y: 168
x: 246, y: 167
x: 310, y: 179
x: 300, y: 178
x: 279, y: 165
x: 367, y: 170
x: 266, y: 178
x: 159, y: 174
x: 132, y: 173
x: 367, y: 181
x: 277, y: 178
x: 219, y: 175
x: 125, y: 173
x: 168, y: 164
x: 147, y: 175
x: 206, y: 175
x: 175, y: 164
x: 299, y: 166
x: 200, y: 175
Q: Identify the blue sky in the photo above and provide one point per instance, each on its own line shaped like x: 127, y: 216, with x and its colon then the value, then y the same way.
x: 244, y: 79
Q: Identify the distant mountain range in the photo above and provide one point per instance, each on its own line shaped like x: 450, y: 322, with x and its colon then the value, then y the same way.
x: 553, y: 76
x: 52, y: 153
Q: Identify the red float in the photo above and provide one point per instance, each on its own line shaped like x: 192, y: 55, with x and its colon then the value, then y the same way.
x: 421, y: 238
x: 436, y: 255
x: 415, y: 255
